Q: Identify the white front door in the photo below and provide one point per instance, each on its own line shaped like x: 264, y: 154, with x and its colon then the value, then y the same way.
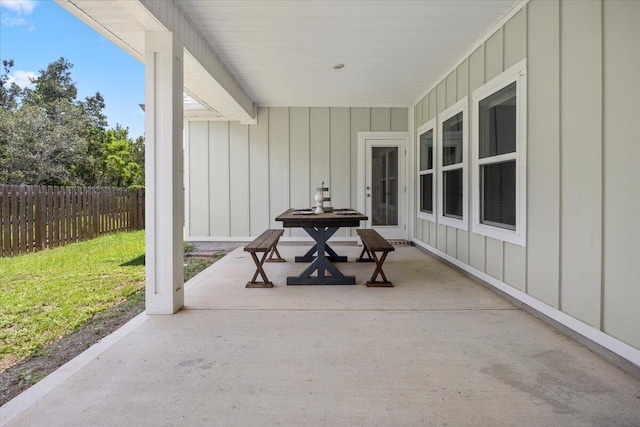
x: 382, y: 192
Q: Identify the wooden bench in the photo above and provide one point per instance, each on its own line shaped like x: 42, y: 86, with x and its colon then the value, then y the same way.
x: 372, y: 243
x: 266, y: 243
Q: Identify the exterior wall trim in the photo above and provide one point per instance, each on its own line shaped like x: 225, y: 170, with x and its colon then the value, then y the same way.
x: 610, y: 343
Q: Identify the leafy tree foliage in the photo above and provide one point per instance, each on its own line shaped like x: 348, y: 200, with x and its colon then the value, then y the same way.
x: 48, y: 136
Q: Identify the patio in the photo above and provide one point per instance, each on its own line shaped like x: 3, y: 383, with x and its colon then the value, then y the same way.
x: 437, y: 349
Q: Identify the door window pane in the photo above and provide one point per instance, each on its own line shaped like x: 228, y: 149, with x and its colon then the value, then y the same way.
x: 452, y: 184
x: 426, y: 193
x: 452, y: 140
x: 384, y: 174
x: 497, y: 120
x: 426, y: 150
x: 498, y: 194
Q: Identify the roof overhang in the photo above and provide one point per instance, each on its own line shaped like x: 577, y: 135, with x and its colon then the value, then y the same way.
x: 214, y: 92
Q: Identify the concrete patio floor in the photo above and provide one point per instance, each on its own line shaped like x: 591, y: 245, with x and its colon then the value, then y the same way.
x: 438, y: 349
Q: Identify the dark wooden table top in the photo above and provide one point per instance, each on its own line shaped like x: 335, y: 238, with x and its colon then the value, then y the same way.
x: 306, y: 218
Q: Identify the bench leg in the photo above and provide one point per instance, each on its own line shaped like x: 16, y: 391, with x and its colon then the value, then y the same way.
x: 384, y: 283
x: 361, y: 257
x: 259, y: 270
x: 274, y: 252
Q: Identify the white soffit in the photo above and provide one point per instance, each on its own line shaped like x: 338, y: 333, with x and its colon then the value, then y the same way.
x: 282, y: 52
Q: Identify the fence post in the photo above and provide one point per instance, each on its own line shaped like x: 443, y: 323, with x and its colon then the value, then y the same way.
x: 96, y: 213
x: 39, y: 227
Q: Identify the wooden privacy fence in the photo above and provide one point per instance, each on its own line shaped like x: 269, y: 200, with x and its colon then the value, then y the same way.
x: 33, y: 218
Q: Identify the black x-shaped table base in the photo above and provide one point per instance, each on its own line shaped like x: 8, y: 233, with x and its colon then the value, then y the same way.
x: 321, y: 263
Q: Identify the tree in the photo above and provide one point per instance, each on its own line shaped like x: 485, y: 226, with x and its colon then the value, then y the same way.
x: 119, y: 166
x: 46, y: 152
x: 9, y: 91
x: 47, y: 136
x: 53, y: 84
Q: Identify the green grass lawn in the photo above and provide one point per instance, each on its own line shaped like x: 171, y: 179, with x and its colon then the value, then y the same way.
x: 46, y: 295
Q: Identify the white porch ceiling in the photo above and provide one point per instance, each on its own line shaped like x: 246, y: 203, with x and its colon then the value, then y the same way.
x: 281, y: 53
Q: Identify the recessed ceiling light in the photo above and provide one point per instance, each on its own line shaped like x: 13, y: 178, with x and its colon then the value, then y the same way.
x: 338, y: 66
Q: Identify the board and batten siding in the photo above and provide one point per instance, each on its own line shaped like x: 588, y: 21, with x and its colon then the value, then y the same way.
x: 240, y: 177
x: 583, y: 178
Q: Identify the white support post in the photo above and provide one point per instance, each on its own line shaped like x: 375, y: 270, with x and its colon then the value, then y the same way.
x: 164, y: 172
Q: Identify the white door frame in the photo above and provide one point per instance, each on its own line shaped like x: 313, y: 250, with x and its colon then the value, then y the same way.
x: 403, y: 217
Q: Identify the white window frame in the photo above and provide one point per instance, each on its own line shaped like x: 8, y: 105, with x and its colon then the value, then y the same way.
x: 459, y: 107
x: 429, y: 126
x: 518, y: 74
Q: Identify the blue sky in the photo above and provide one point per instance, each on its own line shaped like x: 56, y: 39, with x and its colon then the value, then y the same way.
x: 36, y: 33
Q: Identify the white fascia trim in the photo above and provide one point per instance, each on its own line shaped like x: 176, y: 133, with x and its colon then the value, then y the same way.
x: 505, y: 18
x: 618, y: 347
x: 199, y: 48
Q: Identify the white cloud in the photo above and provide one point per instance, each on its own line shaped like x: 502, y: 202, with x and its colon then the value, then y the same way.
x: 12, y: 21
x: 14, y: 10
x: 22, y: 78
x: 22, y: 7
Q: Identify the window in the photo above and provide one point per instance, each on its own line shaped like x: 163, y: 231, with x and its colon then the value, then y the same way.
x: 499, y: 174
x: 426, y: 171
x: 452, y: 190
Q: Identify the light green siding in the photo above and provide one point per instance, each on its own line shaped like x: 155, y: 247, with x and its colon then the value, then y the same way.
x: 515, y: 39
x: 451, y: 89
x: 515, y: 266
x: 340, y: 161
x: 219, y: 178
x: 476, y: 69
x: 583, y: 177
x: 418, y: 113
x: 581, y: 159
x: 239, y: 181
x: 380, y: 119
x: 424, y: 109
x: 452, y: 241
x: 543, y: 152
x: 462, y: 246
x: 494, y: 257
x: 476, y: 251
x: 300, y: 194
x: 621, y: 127
x: 199, y: 177
x: 258, y: 174
x: 240, y: 177
x: 360, y: 122
x: 278, y: 163
x: 441, y: 237
x: 433, y: 106
x: 320, y: 141
x: 494, y: 55
x: 441, y: 97
x: 399, y: 119
x: 462, y: 80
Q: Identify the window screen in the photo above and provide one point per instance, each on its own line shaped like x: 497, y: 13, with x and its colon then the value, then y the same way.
x: 453, y: 193
x: 498, y: 194
x: 426, y: 193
